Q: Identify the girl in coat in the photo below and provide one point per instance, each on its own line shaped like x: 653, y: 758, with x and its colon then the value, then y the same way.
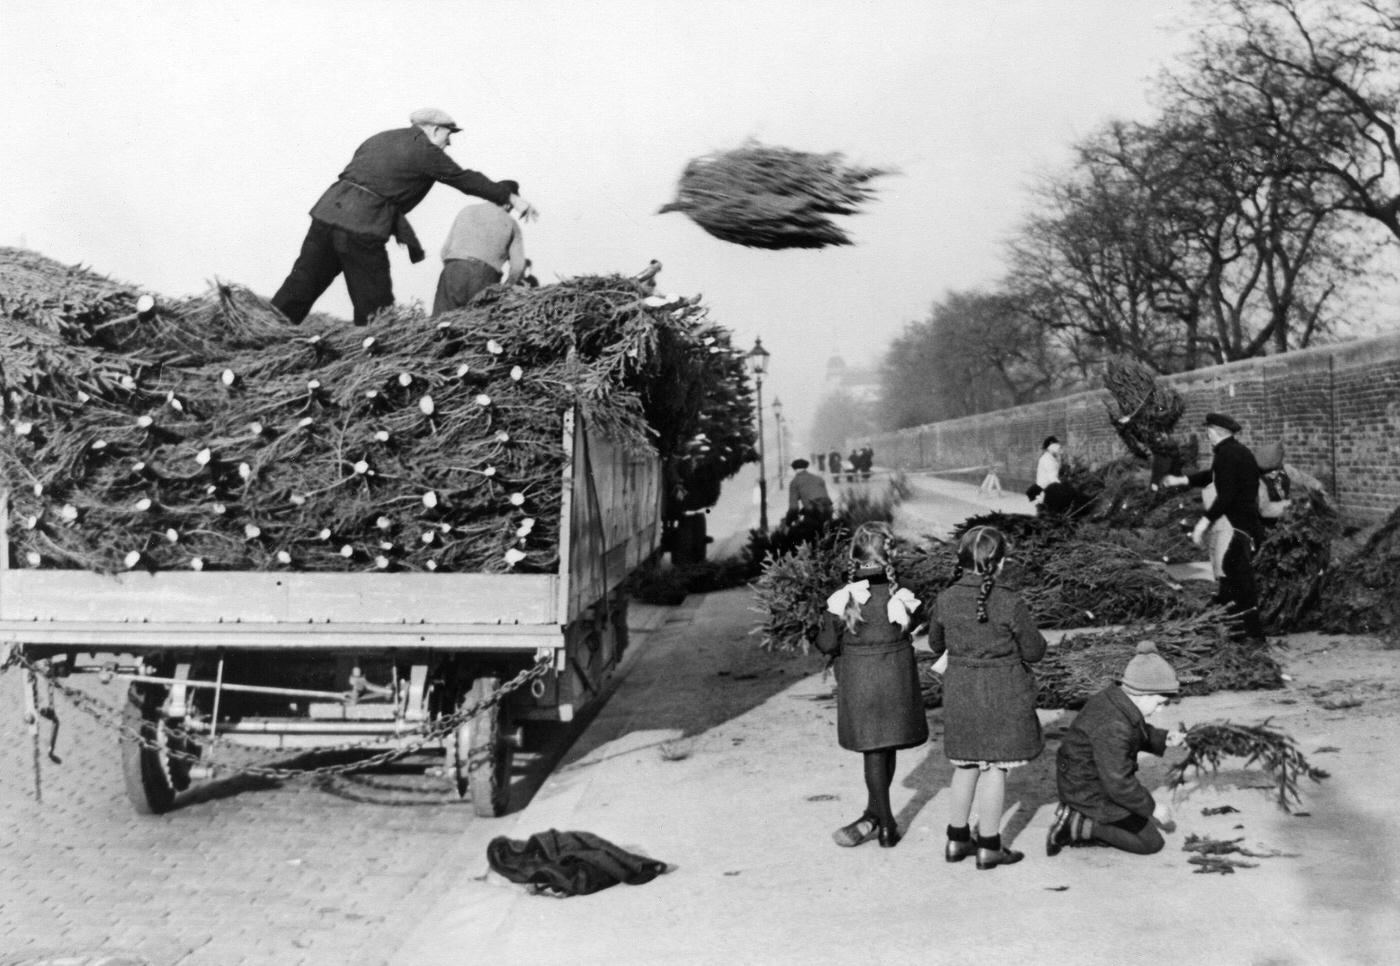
x: 879, y: 707
x: 990, y: 725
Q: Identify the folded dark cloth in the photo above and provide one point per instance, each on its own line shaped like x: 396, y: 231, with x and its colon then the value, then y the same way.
x: 569, y: 863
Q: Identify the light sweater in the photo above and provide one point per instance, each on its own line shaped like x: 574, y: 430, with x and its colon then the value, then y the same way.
x: 489, y: 234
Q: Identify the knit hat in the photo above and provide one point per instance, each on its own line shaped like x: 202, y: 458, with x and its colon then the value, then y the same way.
x: 1149, y: 673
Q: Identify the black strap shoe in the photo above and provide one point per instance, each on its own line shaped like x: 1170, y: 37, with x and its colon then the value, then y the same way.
x: 957, y: 851
x: 1061, y: 830
x: 991, y: 858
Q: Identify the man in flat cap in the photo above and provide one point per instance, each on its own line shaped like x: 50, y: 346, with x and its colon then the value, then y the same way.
x: 350, y: 224
x: 807, y: 492
x: 482, y: 239
x: 1231, y: 523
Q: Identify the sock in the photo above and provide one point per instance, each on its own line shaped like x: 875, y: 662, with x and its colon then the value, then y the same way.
x: 959, y: 833
x: 1081, y: 827
x: 992, y: 842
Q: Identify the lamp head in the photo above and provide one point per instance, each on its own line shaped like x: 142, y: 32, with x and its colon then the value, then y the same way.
x: 756, y: 359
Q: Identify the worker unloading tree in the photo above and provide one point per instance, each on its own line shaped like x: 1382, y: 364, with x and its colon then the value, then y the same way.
x: 351, y: 222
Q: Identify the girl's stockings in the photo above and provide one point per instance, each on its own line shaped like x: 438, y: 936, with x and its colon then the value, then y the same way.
x: 879, y: 775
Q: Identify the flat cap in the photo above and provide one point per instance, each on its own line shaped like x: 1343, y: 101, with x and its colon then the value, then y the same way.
x: 800, y: 464
x: 1223, y: 421
x: 431, y: 115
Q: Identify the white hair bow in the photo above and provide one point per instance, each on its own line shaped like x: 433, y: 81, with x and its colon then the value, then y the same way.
x: 836, y: 603
x: 901, y: 607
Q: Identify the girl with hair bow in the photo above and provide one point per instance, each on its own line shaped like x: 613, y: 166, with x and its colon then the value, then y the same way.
x: 879, y: 707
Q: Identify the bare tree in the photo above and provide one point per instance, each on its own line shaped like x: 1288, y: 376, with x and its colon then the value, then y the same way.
x: 1185, y: 240
x: 1084, y: 264
x: 975, y: 352
x: 1328, y: 75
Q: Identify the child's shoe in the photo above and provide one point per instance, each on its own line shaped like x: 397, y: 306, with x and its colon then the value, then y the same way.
x: 990, y: 854
x: 960, y: 844
x: 889, y: 836
x: 859, y: 832
x: 1061, y: 830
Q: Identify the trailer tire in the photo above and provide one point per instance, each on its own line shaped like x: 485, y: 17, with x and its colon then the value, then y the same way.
x: 482, y: 756
x: 145, y: 771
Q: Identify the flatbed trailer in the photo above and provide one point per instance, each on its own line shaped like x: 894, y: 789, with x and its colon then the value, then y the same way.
x: 377, y: 661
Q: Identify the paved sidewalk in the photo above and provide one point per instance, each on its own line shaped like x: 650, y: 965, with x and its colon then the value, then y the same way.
x: 722, y: 760
x: 742, y: 801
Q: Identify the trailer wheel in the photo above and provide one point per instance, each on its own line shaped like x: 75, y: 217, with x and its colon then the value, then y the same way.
x: 150, y: 782
x: 481, y: 756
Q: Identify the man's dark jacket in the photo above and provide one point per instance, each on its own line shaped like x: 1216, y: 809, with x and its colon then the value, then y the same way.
x: 1236, y: 477
x: 387, y: 178
x: 1096, y: 767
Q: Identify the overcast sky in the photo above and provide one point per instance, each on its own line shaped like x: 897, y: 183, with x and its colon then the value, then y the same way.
x: 169, y: 144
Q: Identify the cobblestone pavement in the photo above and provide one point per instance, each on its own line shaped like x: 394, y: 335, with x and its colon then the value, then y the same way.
x: 244, y: 870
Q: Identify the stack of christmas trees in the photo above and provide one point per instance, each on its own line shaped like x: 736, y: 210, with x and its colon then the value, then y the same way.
x: 210, y: 433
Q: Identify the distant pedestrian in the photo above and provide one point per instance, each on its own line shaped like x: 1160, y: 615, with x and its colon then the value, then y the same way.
x: 867, y: 462
x: 483, y: 238
x: 1047, y: 474
x: 991, y: 483
x: 1047, y: 468
x: 990, y: 725
x: 1231, y: 526
x: 853, y: 466
x: 821, y: 462
x: 879, y: 707
x: 807, y: 493
x: 833, y: 465
x: 1101, y: 797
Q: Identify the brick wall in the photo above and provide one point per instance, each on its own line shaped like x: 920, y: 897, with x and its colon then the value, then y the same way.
x: 1336, y: 409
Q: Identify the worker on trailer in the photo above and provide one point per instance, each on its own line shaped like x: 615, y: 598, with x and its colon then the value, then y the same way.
x: 385, y: 180
x: 483, y: 238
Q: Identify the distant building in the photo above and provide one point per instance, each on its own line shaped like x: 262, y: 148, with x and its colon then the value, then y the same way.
x: 861, y: 383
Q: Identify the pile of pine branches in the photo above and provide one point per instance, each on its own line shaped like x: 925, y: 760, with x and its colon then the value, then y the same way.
x: 773, y: 197
x: 1208, y: 745
x: 1198, y: 647
x: 1361, y: 594
x: 210, y: 433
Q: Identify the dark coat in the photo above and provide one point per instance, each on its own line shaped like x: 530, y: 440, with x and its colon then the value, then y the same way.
x: 1096, y: 768
x: 387, y: 177
x: 988, y: 689
x: 878, y: 700
x: 808, y: 491
x: 1236, y: 477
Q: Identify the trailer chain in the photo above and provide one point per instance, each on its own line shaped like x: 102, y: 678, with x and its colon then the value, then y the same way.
x: 430, y: 731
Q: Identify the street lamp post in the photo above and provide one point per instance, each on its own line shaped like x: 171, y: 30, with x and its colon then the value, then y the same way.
x: 756, y: 359
x: 777, y: 408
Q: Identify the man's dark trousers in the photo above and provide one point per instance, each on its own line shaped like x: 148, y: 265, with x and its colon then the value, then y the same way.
x: 1238, y: 590
x: 327, y: 252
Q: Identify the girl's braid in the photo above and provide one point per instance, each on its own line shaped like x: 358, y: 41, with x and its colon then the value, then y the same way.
x: 889, y: 566
x: 988, y: 579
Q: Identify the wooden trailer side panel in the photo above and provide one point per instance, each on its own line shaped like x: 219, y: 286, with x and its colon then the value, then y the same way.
x: 257, y: 597
x: 615, y: 519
